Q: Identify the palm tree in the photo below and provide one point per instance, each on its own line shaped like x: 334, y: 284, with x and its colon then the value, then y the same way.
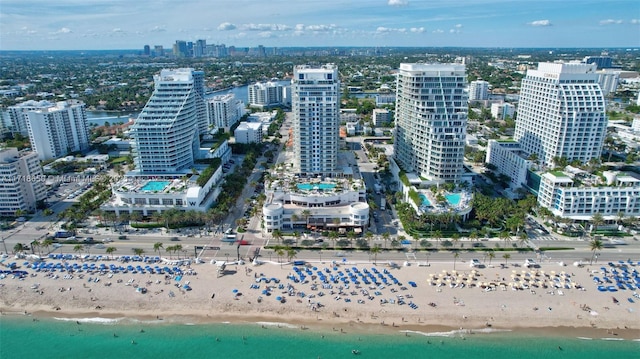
x: 177, y: 249
x: 78, y: 248
x: 19, y: 247
x: 276, y: 234
x: 456, y: 255
x: 506, y: 237
x: 506, y: 257
x: 437, y: 235
x: 473, y: 236
x: 333, y: 235
x: 46, y: 244
x: 169, y: 250
x: 596, y: 220
x: 291, y: 253
x: 385, y: 236
x: 137, y: 251
x: 306, y: 214
x: 368, y: 235
x: 455, y: 238
x: 279, y: 252
x: 375, y: 250
x: 491, y: 255
x: 595, y: 245
x: 110, y: 250
x: 157, y: 246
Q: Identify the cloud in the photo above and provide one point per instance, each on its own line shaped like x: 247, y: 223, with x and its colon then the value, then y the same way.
x: 458, y: 26
x: 226, y: 26
x: 610, y: 22
x: 382, y: 30
x: 635, y: 21
x: 266, y: 27
x: 417, y: 29
x: 265, y: 34
x: 398, y: 3
x: 540, y: 23
x: 319, y: 27
x: 117, y: 29
x: 64, y: 30
x: 438, y: 31
x: 158, y: 29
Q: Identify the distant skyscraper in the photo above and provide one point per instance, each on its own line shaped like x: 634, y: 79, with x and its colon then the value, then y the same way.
x: 55, y: 130
x: 200, y: 48
x: 561, y: 113
x: 180, y: 49
x: 147, y: 50
x: 478, y: 90
x: 158, y: 51
x: 316, y: 119
x: 166, y: 131
x: 603, y: 62
x: 431, y: 120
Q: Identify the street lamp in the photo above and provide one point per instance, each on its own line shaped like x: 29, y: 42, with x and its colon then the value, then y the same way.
x: 227, y: 255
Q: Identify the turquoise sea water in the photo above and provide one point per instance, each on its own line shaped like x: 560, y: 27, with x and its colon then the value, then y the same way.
x: 155, y: 186
x: 21, y: 337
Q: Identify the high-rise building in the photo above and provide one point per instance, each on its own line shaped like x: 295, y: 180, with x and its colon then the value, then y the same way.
x: 17, y: 115
x: 316, y: 119
x: 158, y: 51
x: 267, y: 94
x: 55, y: 130
x: 147, y: 50
x: 603, y: 62
x: 478, y: 90
x: 431, y: 120
x: 561, y: 113
x: 224, y: 111
x: 166, y: 131
x: 22, y: 183
x: 200, y: 48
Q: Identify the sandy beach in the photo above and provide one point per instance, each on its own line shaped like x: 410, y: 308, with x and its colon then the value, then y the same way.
x: 439, y: 299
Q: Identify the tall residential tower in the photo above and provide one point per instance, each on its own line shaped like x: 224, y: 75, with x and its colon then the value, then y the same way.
x: 431, y: 120
x: 166, y: 131
x: 561, y: 113
x: 316, y: 119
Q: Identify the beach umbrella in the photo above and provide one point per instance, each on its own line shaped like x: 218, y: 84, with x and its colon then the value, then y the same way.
x: 235, y: 291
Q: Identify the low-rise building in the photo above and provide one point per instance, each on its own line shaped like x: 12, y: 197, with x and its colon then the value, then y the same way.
x: 248, y: 132
x: 579, y: 195
x: 509, y: 160
x: 323, y: 204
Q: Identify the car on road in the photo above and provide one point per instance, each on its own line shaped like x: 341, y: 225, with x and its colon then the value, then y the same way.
x: 530, y: 263
x: 99, y: 246
x: 106, y: 240
x: 475, y: 263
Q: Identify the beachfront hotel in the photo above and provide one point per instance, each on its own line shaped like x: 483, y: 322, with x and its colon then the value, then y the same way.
x: 167, y: 143
x: 431, y: 121
x: 292, y: 203
x: 54, y: 128
x: 166, y: 132
x: 561, y: 113
x: 22, y: 183
x: 316, y: 120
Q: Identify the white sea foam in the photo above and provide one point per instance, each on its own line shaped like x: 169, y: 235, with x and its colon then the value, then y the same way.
x: 277, y: 324
x: 613, y: 339
x: 584, y: 338
x: 95, y: 320
x: 456, y: 332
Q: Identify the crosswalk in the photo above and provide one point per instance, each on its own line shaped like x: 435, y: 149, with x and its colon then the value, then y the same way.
x: 544, y: 237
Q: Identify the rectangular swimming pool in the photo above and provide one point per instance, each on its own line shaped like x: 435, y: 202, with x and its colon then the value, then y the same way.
x: 153, y: 186
x: 310, y: 186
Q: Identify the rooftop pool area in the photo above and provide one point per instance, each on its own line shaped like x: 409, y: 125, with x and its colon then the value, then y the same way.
x: 425, y: 201
x: 453, y: 198
x: 318, y: 186
x: 155, y: 186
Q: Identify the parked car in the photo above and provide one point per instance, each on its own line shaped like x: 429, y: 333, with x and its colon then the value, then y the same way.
x: 475, y: 263
x: 530, y: 263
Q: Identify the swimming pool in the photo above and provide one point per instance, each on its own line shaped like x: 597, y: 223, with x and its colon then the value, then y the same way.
x: 453, y: 198
x: 425, y: 201
x: 152, y: 186
x: 310, y: 186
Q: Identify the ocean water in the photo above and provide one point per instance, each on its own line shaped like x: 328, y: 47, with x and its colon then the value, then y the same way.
x: 22, y: 337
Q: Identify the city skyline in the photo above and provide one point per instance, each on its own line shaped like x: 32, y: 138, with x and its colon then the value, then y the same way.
x: 113, y: 24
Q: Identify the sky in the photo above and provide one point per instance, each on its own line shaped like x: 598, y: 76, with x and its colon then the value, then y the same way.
x: 131, y: 24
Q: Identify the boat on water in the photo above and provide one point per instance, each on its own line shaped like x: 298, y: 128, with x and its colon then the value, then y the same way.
x: 355, y: 352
